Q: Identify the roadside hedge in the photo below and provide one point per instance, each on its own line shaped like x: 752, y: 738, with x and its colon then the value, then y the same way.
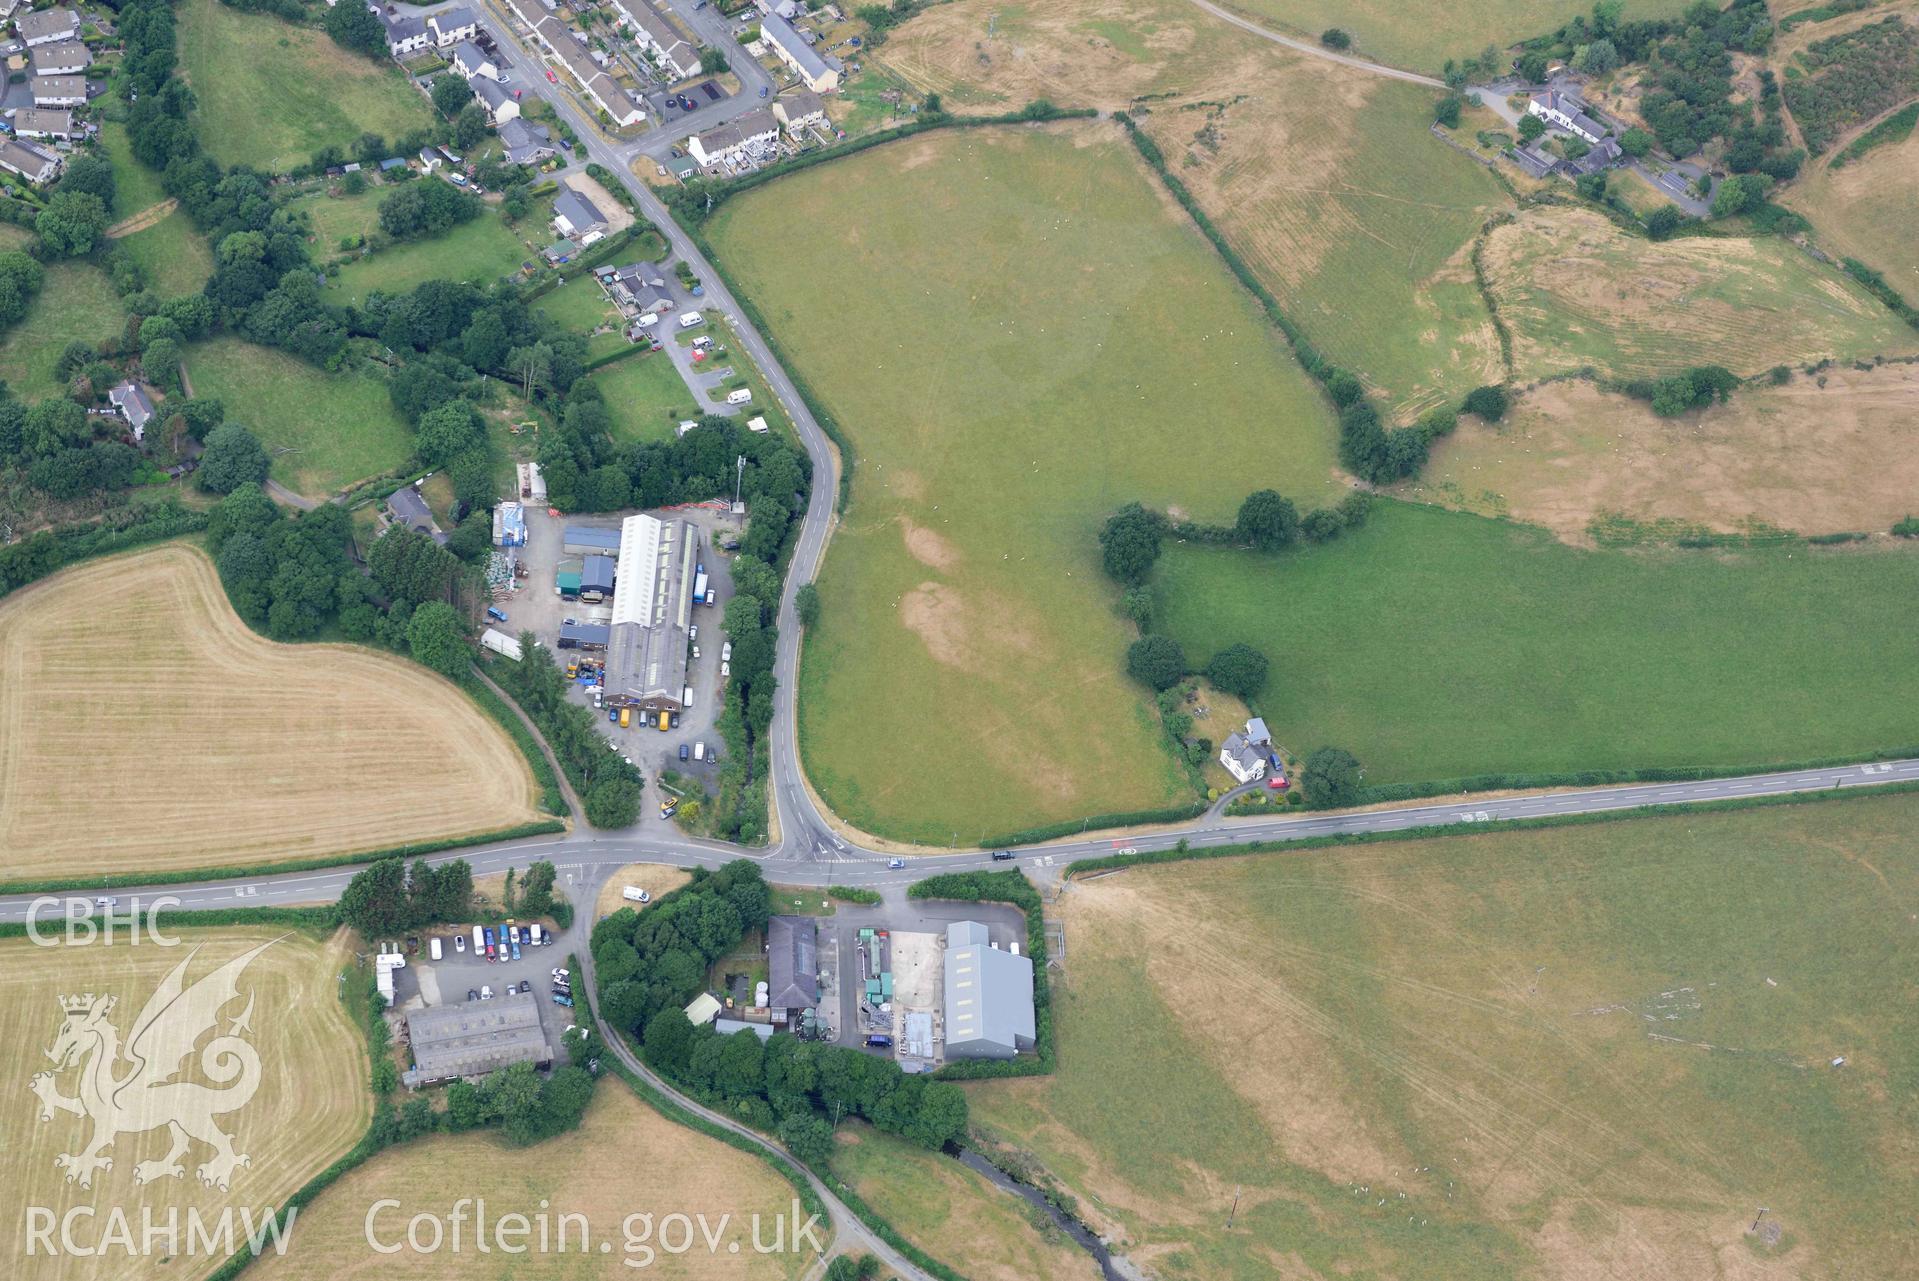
x: 1098, y: 822
x: 854, y: 894
x: 317, y: 919
x: 1003, y: 887
x: 552, y: 799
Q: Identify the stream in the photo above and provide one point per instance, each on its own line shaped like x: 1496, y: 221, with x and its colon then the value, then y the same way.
x: 1081, y: 1234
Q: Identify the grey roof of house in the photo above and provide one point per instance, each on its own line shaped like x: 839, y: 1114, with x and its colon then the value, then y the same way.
x: 800, y: 103
x: 131, y: 399
x: 1242, y: 751
x: 781, y: 32
x: 401, y: 27
x: 61, y: 53
x: 792, y: 962
x: 728, y: 136
x: 1256, y: 731
x: 472, y: 1038
x: 24, y: 158
x: 988, y: 995
x: 582, y: 214
x: 411, y: 510
x: 47, y: 22
x: 524, y: 140
x: 471, y: 54
x: 491, y: 92
x: 64, y: 88
x: 455, y: 18
x: 38, y: 120
x: 664, y: 34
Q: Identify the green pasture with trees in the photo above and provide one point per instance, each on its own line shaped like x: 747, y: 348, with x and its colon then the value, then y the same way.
x: 1436, y: 645
x: 964, y: 589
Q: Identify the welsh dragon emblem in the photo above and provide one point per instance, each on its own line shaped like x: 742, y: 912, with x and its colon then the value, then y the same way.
x: 131, y: 1089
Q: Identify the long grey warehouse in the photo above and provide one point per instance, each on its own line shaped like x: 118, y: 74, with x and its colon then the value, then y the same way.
x: 473, y: 1038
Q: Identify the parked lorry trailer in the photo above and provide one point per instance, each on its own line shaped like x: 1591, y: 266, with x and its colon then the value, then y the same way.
x: 500, y: 643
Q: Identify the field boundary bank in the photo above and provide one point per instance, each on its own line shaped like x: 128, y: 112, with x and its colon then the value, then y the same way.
x: 1110, y: 863
x: 557, y: 795
x: 128, y: 880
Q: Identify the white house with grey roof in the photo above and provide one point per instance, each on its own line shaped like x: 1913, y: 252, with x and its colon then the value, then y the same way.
x: 30, y: 122
x: 404, y: 34
x: 661, y: 37
x: 131, y: 402
x: 452, y: 26
x: 61, y: 58
x: 470, y: 60
x: 756, y: 127
x: 500, y: 103
x: 816, y: 71
x: 47, y: 26
x: 570, y: 48
x: 525, y: 143
x: 988, y: 996
x: 28, y: 162
x: 59, y: 91
x: 577, y: 218
x: 1567, y: 112
x: 800, y: 110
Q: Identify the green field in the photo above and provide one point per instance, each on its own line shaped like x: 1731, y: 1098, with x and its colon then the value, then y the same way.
x: 175, y: 255
x: 76, y: 303
x: 1363, y: 232
x: 272, y: 93
x: 1385, y: 31
x: 135, y: 187
x: 646, y: 397
x: 1865, y: 210
x: 1439, y: 645
x: 481, y: 251
x: 1585, y: 1051
x: 1018, y: 334
x: 325, y: 431
x: 1578, y: 292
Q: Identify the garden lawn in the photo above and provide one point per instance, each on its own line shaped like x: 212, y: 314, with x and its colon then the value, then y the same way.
x: 1439, y: 645
x: 324, y: 431
x: 1018, y: 334
x: 76, y: 303
x: 1588, y: 1051
x: 272, y: 93
x: 173, y: 253
x: 646, y: 396
x: 480, y: 252
x: 581, y: 306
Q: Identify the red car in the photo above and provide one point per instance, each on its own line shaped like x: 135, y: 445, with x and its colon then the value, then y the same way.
x: 550, y: 76
x: 1278, y: 783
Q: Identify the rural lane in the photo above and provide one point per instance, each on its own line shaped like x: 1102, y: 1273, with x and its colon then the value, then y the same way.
x: 1318, y: 50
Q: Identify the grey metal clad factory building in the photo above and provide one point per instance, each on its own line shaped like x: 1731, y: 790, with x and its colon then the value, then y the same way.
x: 473, y: 1038
x: 652, y: 608
x: 989, y: 996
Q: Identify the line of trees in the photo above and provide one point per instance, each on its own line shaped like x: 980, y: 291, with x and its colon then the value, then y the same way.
x: 387, y: 898
x: 610, y: 787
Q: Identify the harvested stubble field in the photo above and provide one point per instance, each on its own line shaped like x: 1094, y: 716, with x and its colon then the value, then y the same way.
x: 272, y: 93
x: 954, y: 1214
x: 1579, y: 292
x: 1810, y: 458
x: 1867, y: 210
x: 312, y: 1104
x: 1106, y: 356
x: 1438, y: 645
x: 1581, y: 1052
x: 144, y: 728
x: 625, y: 1160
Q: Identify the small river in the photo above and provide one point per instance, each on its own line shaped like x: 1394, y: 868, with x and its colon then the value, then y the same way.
x: 1081, y: 1234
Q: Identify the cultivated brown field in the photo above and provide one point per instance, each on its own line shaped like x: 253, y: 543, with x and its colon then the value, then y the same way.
x: 1804, y: 457
x: 626, y: 1159
x: 144, y: 727
x: 311, y: 1106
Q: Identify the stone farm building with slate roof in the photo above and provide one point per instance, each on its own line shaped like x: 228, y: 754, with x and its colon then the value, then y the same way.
x: 792, y: 966
x: 472, y: 1038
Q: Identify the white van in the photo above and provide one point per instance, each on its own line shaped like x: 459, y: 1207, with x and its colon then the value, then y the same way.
x: 537, y: 933
x: 739, y: 397
x: 479, y: 942
x: 433, y: 947
x: 686, y: 698
x: 699, y: 751
x: 647, y: 321
x: 691, y: 320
